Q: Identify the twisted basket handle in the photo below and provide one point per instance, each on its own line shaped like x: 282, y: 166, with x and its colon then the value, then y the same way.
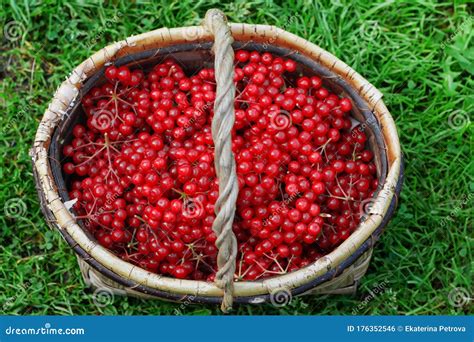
x: 224, y: 161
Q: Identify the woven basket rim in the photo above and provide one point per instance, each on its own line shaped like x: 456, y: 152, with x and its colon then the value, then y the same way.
x: 69, y: 90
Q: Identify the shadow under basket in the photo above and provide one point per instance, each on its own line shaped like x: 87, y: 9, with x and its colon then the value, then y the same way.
x: 336, y: 273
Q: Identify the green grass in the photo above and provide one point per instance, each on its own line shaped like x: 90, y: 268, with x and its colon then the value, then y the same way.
x: 418, y: 53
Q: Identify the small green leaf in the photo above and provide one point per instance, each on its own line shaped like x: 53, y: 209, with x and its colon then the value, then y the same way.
x: 51, y: 35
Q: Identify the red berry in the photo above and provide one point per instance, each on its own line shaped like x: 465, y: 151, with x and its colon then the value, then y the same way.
x: 123, y: 75
x: 144, y: 176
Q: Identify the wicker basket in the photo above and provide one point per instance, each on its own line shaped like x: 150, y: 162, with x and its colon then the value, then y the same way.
x: 337, y: 272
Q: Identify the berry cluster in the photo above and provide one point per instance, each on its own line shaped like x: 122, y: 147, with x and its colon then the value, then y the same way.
x: 142, y: 168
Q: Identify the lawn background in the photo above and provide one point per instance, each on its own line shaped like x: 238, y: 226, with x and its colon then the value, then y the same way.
x: 418, y: 53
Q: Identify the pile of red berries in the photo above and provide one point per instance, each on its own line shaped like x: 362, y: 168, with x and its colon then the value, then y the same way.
x: 142, y: 168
